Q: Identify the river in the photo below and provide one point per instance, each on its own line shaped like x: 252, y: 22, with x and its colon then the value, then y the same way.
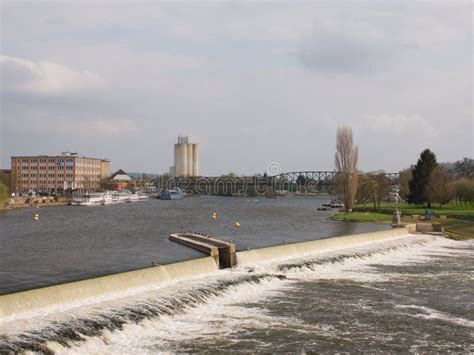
x: 410, y: 294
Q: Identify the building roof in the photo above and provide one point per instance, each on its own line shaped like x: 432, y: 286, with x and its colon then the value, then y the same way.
x: 120, y: 175
x: 57, y: 156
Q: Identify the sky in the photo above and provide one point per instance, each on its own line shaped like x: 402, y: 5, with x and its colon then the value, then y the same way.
x: 257, y: 84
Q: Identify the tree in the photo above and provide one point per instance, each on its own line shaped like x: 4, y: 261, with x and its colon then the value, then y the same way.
x: 346, y: 159
x: 404, y: 179
x: 382, y: 188
x: 463, y: 190
x: 464, y: 168
x: 373, y: 187
x: 439, y: 187
x: 421, y: 174
x: 365, y: 189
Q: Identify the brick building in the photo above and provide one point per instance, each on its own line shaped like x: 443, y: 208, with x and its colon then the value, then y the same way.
x: 56, y: 174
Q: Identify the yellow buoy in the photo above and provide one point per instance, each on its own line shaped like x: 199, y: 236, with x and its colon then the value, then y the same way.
x: 36, y: 217
x: 214, y: 215
x: 237, y: 224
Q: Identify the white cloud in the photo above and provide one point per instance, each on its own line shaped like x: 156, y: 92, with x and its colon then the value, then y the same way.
x: 45, y: 78
x: 115, y: 127
x: 399, y: 124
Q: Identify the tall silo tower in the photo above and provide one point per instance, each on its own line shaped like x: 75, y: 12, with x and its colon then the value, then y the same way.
x: 186, y: 158
x: 195, y: 159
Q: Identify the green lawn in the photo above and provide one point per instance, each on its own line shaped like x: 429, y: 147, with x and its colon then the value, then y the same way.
x: 464, y: 211
x: 361, y: 217
x: 459, y: 224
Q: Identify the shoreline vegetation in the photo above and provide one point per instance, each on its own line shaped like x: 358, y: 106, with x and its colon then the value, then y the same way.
x: 457, y: 219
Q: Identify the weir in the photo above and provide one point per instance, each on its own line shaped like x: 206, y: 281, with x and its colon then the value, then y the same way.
x: 223, y: 252
x: 73, y: 294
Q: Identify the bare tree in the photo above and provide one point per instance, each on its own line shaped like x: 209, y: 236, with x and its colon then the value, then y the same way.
x: 346, y: 159
x: 382, y: 188
x: 439, y: 187
x: 405, y: 177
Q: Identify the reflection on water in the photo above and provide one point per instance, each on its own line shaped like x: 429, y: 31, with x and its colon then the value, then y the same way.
x: 69, y: 243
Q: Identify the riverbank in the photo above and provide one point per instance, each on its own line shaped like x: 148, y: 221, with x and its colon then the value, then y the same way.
x: 457, y: 220
x: 18, y: 203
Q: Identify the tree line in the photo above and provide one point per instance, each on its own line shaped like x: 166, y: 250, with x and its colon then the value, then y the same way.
x: 430, y: 182
x: 427, y: 182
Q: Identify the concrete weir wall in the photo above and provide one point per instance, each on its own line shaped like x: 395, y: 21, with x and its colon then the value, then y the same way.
x: 315, y: 246
x: 104, y: 287
x: 92, y: 289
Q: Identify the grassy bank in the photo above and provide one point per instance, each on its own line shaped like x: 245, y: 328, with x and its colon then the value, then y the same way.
x: 464, y: 211
x: 459, y: 224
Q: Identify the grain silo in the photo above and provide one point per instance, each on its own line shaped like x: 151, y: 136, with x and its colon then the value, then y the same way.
x: 195, y: 159
x: 186, y: 158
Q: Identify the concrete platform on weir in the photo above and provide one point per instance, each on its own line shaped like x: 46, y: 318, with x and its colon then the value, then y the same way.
x: 223, y: 252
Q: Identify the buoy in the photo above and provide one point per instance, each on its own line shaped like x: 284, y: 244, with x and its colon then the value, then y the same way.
x: 36, y: 217
x: 237, y: 224
x: 214, y: 215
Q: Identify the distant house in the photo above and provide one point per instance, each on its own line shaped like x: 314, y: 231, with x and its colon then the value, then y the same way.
x: 120, y: 180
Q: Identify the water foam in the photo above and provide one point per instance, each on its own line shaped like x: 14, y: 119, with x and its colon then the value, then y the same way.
x: 215, y: 307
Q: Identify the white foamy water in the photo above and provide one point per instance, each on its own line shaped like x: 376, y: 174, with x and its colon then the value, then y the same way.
x: 266, y: 307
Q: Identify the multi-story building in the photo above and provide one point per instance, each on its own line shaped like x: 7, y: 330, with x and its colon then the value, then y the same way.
x: 55, y: 174
x: 186, y: 158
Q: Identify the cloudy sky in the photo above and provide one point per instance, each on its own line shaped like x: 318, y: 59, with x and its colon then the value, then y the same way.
x: 252, y: 82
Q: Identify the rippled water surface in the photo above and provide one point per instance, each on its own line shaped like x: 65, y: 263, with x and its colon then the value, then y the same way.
x: 409, y: 294
x: 70, y: 243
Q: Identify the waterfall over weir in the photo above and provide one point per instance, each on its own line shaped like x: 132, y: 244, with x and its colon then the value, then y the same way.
x: 21, y: 304
x: 367, y: 279
x: 18, y: 305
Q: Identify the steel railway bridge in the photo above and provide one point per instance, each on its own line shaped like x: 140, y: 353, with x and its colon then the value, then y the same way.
x: 308, y: 181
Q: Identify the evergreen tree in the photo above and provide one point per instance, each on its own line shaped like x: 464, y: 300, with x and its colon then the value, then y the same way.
x: 421, y: 175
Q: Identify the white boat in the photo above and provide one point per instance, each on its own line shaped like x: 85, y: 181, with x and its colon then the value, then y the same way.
x: 142, y: 196
x: 89, y: 200
x: 108, y: 199
x: 123, y: 196
x: 175, y: 194
x: 133, y: 198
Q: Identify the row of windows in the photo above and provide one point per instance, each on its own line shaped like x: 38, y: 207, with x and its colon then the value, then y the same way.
x: 44, y: 175
x: 51, y: 183
x: 43, y: 160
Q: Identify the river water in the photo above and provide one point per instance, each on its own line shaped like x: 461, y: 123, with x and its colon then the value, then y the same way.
x: 409, y: 294
x: 70, y: 243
